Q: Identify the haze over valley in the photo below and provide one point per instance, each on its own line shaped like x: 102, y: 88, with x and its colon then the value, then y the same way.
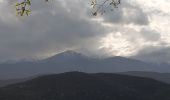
x: 73, y: 61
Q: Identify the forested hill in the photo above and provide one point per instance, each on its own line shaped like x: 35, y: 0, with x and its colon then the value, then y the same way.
x: 83, y: 86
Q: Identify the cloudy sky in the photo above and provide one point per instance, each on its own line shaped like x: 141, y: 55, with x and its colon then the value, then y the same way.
x: 137, y: 28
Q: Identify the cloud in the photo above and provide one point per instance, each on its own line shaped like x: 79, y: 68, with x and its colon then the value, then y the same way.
x: 127, y: 13
x: 154, y: 54
x: 63, y: 24
x: 150, y: 35
x: 137, y: 27
x: 49, y: 29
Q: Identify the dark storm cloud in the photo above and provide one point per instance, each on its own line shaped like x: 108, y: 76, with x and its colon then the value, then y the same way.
x: 49, y: 29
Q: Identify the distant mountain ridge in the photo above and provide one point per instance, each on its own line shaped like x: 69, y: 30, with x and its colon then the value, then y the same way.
x: 83, y: 86
x: 73, y: 61
x: 164, y: 77
x: 67, y: 55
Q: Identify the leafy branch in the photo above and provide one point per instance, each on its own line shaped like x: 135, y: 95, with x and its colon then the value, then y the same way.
x: 23, y: 7
x: 99, y: 8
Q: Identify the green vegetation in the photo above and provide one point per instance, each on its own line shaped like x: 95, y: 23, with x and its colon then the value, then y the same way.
x: 23, y: 7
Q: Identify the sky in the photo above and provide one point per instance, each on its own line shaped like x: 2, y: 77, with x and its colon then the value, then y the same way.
x: 137, y: 29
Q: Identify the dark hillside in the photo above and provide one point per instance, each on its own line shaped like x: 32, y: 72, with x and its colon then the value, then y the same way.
x: 82, y: 86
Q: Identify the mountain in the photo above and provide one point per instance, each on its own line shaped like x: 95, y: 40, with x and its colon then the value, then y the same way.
x: 8, y: 82
x: 83, y: 86
x: 73, y: 61
x: 14, y: 81
x: 66, y: 56
x: 164, y: 77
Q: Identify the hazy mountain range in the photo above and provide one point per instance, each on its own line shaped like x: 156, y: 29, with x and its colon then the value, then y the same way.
x: 73, y: 61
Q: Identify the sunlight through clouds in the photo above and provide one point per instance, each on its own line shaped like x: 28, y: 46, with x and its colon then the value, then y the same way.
x: 117, y: 45
x: 136, y: 38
